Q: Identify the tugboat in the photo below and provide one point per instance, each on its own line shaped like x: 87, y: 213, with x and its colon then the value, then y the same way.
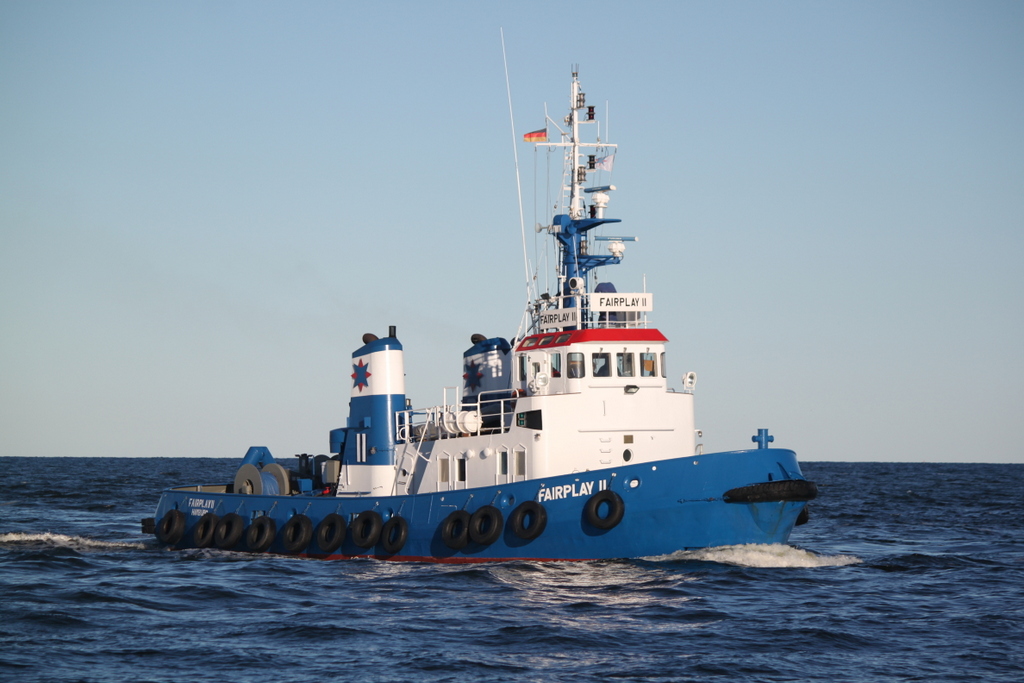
x: 566, y: 442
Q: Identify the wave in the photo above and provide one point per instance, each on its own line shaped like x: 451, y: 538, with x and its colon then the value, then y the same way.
x: 761, y: 555
x: 64, y: 541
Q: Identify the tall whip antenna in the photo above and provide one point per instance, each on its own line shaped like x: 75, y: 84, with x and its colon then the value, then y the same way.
x: 515, y: 156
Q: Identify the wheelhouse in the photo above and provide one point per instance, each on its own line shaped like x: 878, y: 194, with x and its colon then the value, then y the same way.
x: 568, y: 361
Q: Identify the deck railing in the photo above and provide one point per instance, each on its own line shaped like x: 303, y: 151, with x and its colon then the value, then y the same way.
x: 490, y: 412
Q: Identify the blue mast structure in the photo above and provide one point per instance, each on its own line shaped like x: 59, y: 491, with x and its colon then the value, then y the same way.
x: 570, y: 229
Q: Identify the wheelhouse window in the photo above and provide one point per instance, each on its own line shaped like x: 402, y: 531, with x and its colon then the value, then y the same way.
x: 562, y: 338
x: 522, y: 368
x: 602, y: 365
x: 545, y: 340
x: 662, y: 363
x: 556, y: 365
x: 648, y: 365
x: 577, y: 367
x: 624, y: 364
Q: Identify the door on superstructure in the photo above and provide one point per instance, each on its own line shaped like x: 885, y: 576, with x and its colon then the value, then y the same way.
x: 503, y: 465
x: 518, y: 471
x: 444, y: 472
x: 460, y: 464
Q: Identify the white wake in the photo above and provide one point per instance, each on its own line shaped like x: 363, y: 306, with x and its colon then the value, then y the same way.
x: 756, y: 555
x: 63, y: 540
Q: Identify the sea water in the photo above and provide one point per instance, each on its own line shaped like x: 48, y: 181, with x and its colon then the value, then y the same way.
x: 905, y: 572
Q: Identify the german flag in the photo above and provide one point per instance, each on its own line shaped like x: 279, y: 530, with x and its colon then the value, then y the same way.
x: 537, y: 136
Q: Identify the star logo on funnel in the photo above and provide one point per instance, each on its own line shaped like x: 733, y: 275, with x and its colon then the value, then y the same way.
x: 361, y: 376
x: 472, y: 376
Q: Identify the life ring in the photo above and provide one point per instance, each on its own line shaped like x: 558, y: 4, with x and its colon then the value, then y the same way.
x: 538, y: 519
x: 229, y: 531
x: 260, y: 534
x: 330, y: 532
x: 366, y: 528
x: 171, y: 527
x: 455, y: 530
x: 296, y: 533
x: 203, y: 532
x: 394, y: 534
x: 485, y: 525
x: 616, y: 509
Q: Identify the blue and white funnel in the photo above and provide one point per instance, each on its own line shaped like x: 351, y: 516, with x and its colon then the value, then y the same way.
x: 487, y: 366
x: 368, y: 442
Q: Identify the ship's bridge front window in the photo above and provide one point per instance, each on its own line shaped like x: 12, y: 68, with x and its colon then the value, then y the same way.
x: 577, y: 366
x: 556, y: 364
x: 624, y: 364
x: 648, y: 365
x: 602, y: 364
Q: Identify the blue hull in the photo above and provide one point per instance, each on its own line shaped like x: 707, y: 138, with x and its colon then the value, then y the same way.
x: 668, y: 506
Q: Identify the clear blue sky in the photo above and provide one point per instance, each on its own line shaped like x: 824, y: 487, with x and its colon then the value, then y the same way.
x: 203, y: 205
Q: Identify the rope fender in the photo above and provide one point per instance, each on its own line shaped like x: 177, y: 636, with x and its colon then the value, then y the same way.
x: 773, y: 491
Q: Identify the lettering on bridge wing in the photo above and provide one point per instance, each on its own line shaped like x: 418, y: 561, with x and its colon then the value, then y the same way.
x: 622, y: 302
x: 559, y: 318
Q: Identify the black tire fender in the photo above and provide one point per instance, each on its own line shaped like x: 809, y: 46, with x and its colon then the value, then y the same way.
x: 616, y: 510
x: 204, y: 530
x: 803, y: 517
x: 366, y: 528
x: 260, y: 534
x: 455, y: 530
x: 171, y: 527
x: 296, y: 533
x: 229, y: 531
x: 330, y: 532
x: 394, y: 534
x: 485, y: 525
x: 535, y: 512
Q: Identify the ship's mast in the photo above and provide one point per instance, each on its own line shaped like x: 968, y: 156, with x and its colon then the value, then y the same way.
x: 570, y: 229
x: 577, y: 100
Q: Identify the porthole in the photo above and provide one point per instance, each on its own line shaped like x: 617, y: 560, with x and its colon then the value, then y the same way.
x: 627, y: 455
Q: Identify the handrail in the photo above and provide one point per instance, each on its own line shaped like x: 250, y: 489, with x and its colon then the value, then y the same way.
x: 632, y: 319
x: 449, y: 421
